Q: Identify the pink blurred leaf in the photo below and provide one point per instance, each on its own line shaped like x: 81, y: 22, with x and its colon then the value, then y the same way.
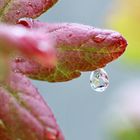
x: 78, y: 48
x: 33, y: 44
x: 12, y: 10
x: 24, y: 114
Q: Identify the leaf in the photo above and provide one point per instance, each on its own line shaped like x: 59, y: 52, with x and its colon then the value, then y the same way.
x: 29, y: 43
x: 12, y: 10
x: 78, y: 47
x: 23, y: 113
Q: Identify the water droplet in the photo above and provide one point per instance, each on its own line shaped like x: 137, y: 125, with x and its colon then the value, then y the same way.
x: 27, y: 22
x: 19, y: 59
x: 17, y: 12
x: 17, y: 71
x: 99, y: 38
x: 51, y: 133
x: 29, y: 3
x: 99, y: 80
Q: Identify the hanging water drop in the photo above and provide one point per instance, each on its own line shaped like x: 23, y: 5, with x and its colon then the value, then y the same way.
x: 99, y: 80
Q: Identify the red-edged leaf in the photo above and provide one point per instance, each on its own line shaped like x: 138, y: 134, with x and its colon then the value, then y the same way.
x: 23, y: 113
x: 79, y: 48
x: 12, y: 10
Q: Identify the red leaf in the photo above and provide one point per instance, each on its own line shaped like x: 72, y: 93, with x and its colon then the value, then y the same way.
x: 79, y: 48
x: 24, y: 114
x: 12, y: 10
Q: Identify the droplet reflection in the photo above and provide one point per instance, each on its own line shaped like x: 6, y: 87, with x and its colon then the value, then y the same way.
x: 99, y: 80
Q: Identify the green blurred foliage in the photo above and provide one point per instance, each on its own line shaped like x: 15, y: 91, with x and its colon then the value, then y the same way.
x: 128, y: 134
x: 125, y: 18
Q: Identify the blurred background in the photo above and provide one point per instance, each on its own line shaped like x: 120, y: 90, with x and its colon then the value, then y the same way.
x: 82, y: 113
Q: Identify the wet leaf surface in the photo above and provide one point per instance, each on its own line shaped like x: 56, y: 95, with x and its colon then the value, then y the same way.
x: 78, y: 48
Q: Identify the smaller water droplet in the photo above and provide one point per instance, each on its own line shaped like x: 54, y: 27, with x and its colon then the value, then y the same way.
x: 30, y: 4
x: 17, y: 12
x: 99, y: 38
x: 51, y: 133
x: 122, y: 42
x: 17, y: 71
x: 27, y: 22
x: 99, y: 80
x: 19, y: 59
